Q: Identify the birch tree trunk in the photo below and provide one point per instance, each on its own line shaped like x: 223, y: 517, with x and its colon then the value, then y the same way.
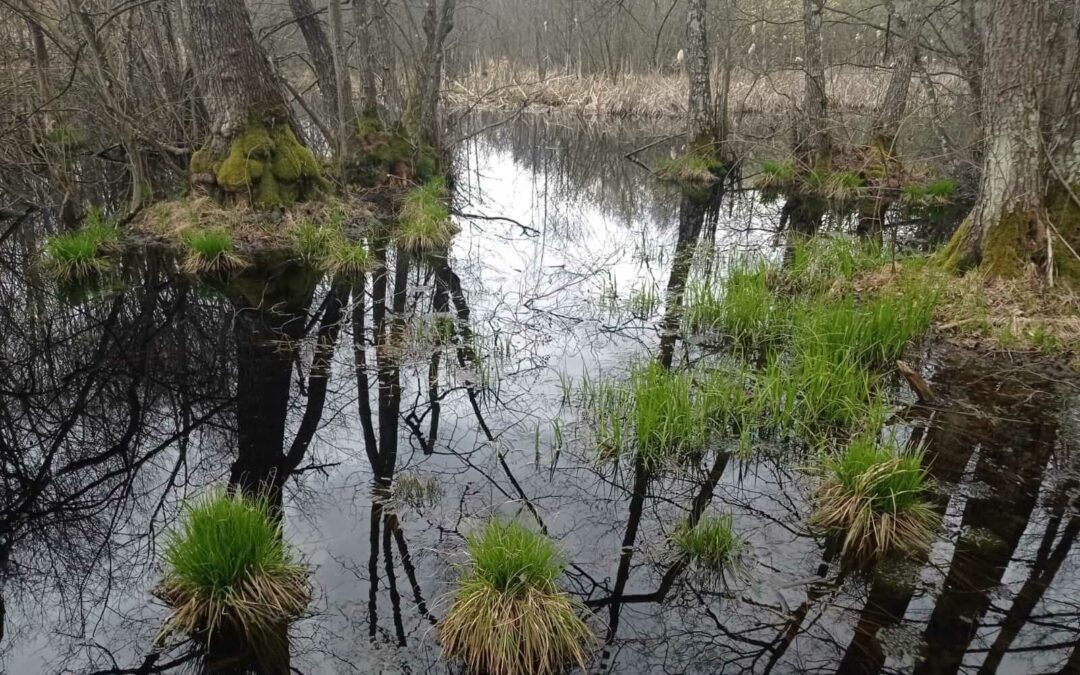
x: 1027, y: 212
x: 702, y: 129
x: 253, y: 154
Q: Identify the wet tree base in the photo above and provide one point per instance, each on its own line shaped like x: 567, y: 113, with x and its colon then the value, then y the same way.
x: 1042, y: 247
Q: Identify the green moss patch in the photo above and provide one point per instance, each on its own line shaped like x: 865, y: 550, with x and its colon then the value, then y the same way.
x: 266, y: 167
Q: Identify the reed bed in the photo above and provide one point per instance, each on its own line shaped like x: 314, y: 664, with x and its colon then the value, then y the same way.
x: 503, y: 84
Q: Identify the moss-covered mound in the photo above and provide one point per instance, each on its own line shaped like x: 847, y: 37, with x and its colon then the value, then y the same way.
x: 265, y: 167
x: 387, y: 155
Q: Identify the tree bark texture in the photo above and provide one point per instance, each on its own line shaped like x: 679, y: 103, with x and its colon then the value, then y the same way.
x: 362, y: 18
x: 814, y: 145
x: 326, y: 58
x: 238, y: 84
x: 437, y: 24
x: 702, y: 123
x: 1027, y: 210
x: 894, y: 105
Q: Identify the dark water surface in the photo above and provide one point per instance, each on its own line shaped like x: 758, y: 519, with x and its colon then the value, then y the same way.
x: 115, y: 409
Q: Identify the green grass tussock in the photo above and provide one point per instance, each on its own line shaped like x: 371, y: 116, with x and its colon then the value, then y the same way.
x: 873, y: 496
x: 667, y: 417
x: 425, y: 225
x: 210, y: 250
x: 79, y: 255
x: 508, y: 616
x: 690, y: 169
x: 820, y: 263
x: 228, y: 569
x: 347, y: 258
x: 844, y: 186
x: 711, y: 547
x: 744, y: 308
x: 314, y: 241
x: 776, y: 174
x: 934, y: 193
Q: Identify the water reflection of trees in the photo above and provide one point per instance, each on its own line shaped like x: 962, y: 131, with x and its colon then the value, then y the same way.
x: 112, y: 409
x: 579, y: 164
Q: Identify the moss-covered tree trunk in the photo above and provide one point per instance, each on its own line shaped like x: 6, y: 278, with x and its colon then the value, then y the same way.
x: 1027, y: 211
x: 254, y: 154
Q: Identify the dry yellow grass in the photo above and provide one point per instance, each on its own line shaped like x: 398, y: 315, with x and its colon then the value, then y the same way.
x: 502, y: 84
x: 1023, y: 314
x: 171, y: 222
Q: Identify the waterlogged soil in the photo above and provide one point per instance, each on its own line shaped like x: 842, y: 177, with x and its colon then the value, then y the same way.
x: 138, y: 394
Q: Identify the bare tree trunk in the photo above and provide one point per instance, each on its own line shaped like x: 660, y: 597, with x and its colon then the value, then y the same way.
x: 346, y: 116
x: 891, y: 114
x: 1027, y: 211
x: 437, y: 24
x: 107, y: 90
x: 974, y: 62
x: 814, y: 144
x: 391, y: 90
x: 64, y: 189
x: 254, y: 153
x: 702, y: 123
x: 885, y: 128
x: 330, y: 66
x: 361, y: 23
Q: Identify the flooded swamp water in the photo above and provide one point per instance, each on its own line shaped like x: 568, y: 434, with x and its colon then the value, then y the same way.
x: 563, y: 261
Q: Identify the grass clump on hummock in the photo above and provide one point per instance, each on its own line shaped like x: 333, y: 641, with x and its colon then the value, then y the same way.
x: 229, y: 572
x: 78, y: 255
x: 776, y: 174
x: 347, y: 258
x: 934, y: 193
x: 508, y: 616
x: 873, y: 496
x: 711, y: 547
x: 693, y: 168
x: 844, y: 186
x: 314, y: 241
x: 210, y: 250
x: 425, y: 224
